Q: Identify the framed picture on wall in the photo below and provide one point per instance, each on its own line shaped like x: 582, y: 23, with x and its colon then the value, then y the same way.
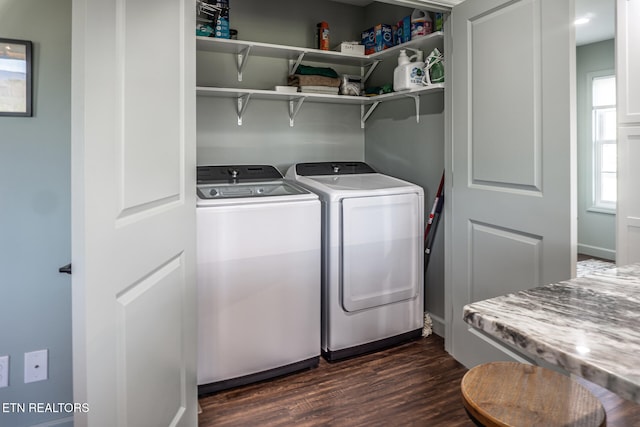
x: 15, y: 77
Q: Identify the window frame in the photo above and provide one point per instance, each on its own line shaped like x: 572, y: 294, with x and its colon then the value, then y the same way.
x: 597, y: 205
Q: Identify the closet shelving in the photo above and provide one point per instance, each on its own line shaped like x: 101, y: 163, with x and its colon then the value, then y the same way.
x: 295, y: 55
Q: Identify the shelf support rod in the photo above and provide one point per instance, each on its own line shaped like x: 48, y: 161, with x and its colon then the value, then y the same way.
x: 243, y: 101
x: 243, y: 57
x: 294, y: 65
x: 364, y: 116
x: 293, y: 110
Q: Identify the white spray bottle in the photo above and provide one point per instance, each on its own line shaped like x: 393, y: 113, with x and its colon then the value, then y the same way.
x: 408, y: 74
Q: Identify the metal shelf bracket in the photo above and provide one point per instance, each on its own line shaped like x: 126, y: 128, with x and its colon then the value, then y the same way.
x: 365, y: 115
x: 294, y: 107
x: 243, y: 57
x: 416, y: 99
x: 243, y: 101
x: 370, y: 70
x: 294, y: 65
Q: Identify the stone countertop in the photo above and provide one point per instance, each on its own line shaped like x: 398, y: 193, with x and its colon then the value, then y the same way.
x: 588, y: 326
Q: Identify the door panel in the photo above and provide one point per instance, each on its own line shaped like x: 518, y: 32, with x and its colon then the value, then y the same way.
x: 515, y: 254
x: 150, y: 315
x: 505, y: 136
x: 381, y: 241
x: 628, y: 61
x: 133, y: 212
x: 628, y: 212
x: 148, y: 95
x: 511, y: 192
x: 628, y: 114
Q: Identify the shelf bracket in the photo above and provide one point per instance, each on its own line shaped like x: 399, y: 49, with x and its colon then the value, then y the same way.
x: 364, y: 116
x: 370, y: 70
x: 416, y: 99
x: 294, y: 107
x: 243, y: 57
x: 243, y: 101
x: 294, y: 65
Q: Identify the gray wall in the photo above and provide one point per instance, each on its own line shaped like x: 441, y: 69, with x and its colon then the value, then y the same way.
x: 397, y: 145
x: 596, y: 230
x: 35, y: 300
x: 322, y: 132
x: 392, y: 142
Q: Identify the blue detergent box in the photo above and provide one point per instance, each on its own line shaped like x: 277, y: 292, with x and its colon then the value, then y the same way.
x: 403, y: 31
x: 218, y: 28
x: 377, y: 38
x: 221, y: 29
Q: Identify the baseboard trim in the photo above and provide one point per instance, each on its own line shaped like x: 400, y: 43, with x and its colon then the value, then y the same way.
x: 596, y: 251
x: 437, y: 326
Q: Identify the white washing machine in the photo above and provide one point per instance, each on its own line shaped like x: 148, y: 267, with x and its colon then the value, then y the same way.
x: 258, y: 274
x: 372, y: 256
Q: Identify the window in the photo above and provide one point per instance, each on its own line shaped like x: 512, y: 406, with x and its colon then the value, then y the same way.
x: 604, y: 142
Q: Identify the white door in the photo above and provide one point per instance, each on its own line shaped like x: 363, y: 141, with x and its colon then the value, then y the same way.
x: 510, y: 187
x: 628, y: 110
x: 133, y: 212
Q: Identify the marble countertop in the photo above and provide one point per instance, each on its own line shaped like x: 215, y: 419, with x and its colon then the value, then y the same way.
x: 589, y: 326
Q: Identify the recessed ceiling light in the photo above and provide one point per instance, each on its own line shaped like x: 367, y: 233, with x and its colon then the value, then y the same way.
x: 584, y: 19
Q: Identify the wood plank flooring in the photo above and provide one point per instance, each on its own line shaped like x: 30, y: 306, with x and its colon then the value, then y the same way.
x: 415, y: 384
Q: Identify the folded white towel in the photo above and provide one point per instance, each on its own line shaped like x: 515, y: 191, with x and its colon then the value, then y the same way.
x: 320, y: 89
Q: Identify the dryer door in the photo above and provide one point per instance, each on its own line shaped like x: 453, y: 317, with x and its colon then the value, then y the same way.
x: 382, y: 250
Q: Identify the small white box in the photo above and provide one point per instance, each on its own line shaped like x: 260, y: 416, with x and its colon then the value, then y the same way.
x: 351, y: 48
x: 286, y: 89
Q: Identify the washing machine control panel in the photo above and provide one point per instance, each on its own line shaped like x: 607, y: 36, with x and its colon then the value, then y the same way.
x: 237, y: 174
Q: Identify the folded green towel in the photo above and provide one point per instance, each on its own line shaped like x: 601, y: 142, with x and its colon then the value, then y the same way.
x: 316, y: 71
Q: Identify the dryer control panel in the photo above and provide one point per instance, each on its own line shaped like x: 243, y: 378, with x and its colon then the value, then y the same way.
x: 333, y: 168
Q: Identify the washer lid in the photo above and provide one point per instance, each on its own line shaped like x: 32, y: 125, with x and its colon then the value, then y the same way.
x: 372, y: 184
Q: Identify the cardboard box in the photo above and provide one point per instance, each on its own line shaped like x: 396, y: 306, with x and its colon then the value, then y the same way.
x: 350, y: 47
x: 403, y: 33
x: 377, y: 38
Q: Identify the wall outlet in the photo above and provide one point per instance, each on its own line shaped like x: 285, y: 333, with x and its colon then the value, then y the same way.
x: 36, y: 366
x: 4, y: 371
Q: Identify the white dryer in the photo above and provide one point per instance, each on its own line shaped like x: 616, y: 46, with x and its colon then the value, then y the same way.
x: 372, y: 256
x: 258, y: 274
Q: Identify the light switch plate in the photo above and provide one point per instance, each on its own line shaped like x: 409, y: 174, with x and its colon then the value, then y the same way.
x: 4, y: 371
x: 36, y: 366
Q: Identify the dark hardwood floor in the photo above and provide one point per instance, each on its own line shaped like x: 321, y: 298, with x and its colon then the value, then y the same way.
x: 415, y: 384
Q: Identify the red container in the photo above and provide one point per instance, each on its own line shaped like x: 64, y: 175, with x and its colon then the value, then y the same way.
x: 323, y: 35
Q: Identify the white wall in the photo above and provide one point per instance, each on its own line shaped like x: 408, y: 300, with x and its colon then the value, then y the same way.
x: 596, y: 230
x: 35, y: 300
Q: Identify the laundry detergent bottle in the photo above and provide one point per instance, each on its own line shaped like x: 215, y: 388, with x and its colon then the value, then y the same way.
x: 408, y: 74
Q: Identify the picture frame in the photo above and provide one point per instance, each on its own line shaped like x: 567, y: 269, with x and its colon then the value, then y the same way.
x: 16, y: 78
